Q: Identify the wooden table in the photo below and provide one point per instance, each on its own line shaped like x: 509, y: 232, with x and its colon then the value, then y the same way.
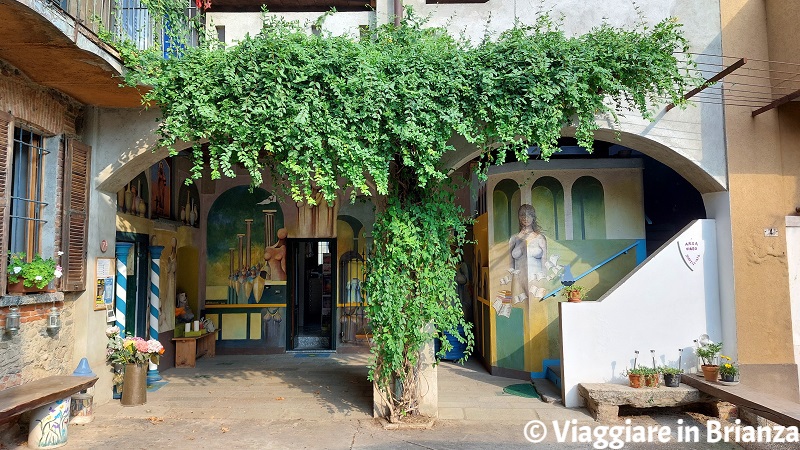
x: 188, y: 349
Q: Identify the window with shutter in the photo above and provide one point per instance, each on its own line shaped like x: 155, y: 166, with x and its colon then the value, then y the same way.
x: 76, y: 215
x: 6, y: 128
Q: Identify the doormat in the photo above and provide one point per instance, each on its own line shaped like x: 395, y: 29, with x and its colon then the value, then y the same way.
x: 521, y: 390
x: 311, y: 355
x: 156, y: 385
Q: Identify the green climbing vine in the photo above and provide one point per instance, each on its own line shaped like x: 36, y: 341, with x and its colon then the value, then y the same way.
x: 376, y: 114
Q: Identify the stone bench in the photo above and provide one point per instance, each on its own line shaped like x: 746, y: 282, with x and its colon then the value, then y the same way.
x: 49, y: 399
x: 604, y: 399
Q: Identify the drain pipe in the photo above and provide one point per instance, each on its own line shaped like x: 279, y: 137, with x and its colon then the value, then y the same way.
x: 398, y: 12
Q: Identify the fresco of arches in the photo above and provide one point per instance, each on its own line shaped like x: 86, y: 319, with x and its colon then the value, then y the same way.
x: 541, y: 220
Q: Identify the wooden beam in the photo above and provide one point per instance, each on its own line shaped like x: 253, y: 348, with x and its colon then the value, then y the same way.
x: 778, y: 102
x: 777, y: 409
x: 712, y: 80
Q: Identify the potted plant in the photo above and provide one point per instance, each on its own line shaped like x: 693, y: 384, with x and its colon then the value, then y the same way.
x: 728, y: 370
x: 33, y: 275
x: 708, y: 351
x: 672, y: 376
x: 642, y: 376
x: 134, y: 353
x: 573, y: 293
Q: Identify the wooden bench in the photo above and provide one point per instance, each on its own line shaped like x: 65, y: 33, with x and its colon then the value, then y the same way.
x: 604, y: 399
x: 777, y: 409
x: 188, y: 349
x: 49, y: 398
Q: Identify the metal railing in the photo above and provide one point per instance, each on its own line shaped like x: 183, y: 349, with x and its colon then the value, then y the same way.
x: 124, y: 18
x: 624, y: 251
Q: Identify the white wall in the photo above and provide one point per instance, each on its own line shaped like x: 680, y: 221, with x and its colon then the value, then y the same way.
x: 662, y: 305
x: 793, y: 260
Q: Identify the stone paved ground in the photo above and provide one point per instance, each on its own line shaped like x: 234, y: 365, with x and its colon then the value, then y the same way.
x: 282, y: 401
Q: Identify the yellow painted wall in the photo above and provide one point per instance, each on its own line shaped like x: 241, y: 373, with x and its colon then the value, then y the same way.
x: 764, y: 171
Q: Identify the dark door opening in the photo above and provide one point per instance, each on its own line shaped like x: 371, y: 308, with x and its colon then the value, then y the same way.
x: 312, y: 279
x: 137, y: 311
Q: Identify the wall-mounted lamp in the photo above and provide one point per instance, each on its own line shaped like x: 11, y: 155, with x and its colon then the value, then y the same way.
x: 12, y: 320
x: 54, y: 320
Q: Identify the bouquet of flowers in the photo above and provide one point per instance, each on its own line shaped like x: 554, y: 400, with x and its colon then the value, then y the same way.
x: 131, y: 350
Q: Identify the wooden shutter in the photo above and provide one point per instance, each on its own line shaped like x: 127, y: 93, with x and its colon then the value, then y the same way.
x: 6, y: 142
x: 76, y: 215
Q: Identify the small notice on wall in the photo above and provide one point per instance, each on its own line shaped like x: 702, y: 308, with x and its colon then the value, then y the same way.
x: 104, y: 296
x: 692, y: 251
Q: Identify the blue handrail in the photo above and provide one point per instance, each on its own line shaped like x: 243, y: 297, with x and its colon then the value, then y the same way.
x: 619, y: 253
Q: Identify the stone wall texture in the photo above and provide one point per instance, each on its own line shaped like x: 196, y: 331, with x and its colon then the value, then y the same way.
x: 34, y: 353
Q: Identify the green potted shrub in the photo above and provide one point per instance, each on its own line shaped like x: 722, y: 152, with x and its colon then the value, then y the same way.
x: 728, y: 370
x: 672, y: 376
x: 33, y: 275
x: 708, y: 351
x: 573, y: 293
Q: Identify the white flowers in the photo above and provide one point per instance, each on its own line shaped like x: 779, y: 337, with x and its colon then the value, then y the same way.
x: 60, y: 253
x: 112, y: 331
x: 58, y: 272
x: 38, y: 278
x: 17, y: 269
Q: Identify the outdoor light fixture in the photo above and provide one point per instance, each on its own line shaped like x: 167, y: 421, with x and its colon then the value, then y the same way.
x: 54, y: 320
x: 12, y: 320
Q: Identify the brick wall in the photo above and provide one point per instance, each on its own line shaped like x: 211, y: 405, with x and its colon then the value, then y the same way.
x: 33, y: 352
x: 45, y: 109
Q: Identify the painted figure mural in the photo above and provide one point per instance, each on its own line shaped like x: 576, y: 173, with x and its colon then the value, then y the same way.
x: 531, y: 270
x: 160, y: 178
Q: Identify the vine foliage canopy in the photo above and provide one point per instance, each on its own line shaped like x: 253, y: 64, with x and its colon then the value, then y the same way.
x: 327, y: 112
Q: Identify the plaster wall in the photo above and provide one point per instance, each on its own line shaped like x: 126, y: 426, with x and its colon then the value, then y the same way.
x: 764, y: 173
x: 599, y: 338
x: 238, y: 25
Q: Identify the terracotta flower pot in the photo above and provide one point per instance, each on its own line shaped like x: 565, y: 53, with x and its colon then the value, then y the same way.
x: 651, y: 380
x: 710, y: 373
x: 574, y: 297
x: 635, y: 380
x: 19, y: 288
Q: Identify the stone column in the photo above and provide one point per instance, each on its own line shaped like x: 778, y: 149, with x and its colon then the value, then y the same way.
x: 122, y: 250
x: 155, y: 305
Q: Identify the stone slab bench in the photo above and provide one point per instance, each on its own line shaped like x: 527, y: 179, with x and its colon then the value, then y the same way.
x: 49, y: 399
x: 604, y: 399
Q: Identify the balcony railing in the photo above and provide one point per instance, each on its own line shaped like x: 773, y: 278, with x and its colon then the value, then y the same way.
x: 124, y: 18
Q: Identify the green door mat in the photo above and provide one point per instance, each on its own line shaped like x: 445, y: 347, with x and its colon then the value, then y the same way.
x: 522, y: 390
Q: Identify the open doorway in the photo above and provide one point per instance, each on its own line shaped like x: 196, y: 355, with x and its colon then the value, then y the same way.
x: 312, y: 279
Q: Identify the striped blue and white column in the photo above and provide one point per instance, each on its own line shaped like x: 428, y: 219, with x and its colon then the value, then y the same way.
x: 155, y: 305
x: 122, y: 250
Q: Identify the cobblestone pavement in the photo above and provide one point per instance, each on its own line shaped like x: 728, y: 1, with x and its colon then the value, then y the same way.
x: 325, y: 402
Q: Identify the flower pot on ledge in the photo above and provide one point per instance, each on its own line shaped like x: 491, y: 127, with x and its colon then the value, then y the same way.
x: 19, y: 288
x: 710, y: 372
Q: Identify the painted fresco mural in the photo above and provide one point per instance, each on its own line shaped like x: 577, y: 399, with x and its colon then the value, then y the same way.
x: 131, y: 198
x: 161, y: 189
x: 541, y: 225
x: 189, y: 205
x: 245, y: 245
